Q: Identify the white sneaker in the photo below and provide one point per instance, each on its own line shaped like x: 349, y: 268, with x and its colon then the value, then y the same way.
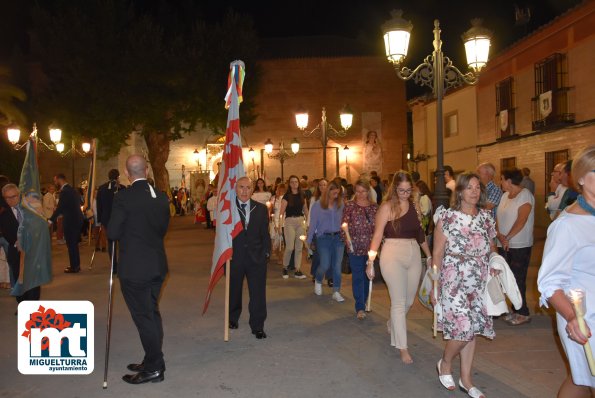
x: 337, y: 297
x: 318, y: 289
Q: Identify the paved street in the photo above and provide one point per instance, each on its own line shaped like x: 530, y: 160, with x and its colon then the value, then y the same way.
x: 315, y: 348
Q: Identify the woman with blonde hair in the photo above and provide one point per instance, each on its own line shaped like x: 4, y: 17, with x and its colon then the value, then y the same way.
x: 568, y: 264
x: 398, y: 223
x: 325, y: 226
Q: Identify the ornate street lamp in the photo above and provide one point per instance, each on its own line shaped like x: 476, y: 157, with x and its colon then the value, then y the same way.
x: 14, y: 136
x: 325, y: 129
x: 436, y: 72
x: 283, y: 153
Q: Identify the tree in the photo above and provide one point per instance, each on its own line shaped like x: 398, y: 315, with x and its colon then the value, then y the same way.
x: 117, y: 67
x: 9, y: 95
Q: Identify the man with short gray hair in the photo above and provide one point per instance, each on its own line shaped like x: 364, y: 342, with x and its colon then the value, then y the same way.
x: 486, y: 173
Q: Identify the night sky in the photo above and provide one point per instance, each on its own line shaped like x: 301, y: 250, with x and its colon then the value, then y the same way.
x: 359, y: 20
x: 362, y: 19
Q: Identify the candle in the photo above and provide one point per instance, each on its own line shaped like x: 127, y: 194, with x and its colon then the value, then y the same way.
x: 577, y: 297
x: 372, y: 255
x: 345, y: 229
x: 303, y: 239
x: 369, y: 300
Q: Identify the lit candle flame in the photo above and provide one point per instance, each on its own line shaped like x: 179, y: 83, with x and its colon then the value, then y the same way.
x: 372, y: 255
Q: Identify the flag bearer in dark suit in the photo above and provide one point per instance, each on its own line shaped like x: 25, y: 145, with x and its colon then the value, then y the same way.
x: 139, y: 221
x: 251, y: 248
x: 69, y: 206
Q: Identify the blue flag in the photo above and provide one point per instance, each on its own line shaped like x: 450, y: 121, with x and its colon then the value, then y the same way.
x: 34, y: 239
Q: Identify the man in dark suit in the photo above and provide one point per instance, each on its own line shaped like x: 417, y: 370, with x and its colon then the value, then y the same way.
x: 69, y: 206
x: 11, y: 216
x: 139, y: 221
x: 251, y: 248
x: 105, y: 199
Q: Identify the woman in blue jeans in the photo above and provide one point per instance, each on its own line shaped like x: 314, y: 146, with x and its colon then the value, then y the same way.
x: 359, y: 214
x: 325, y: 226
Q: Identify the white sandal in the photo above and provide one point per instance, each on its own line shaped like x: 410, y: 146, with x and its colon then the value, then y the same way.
x: 473, y: 392
x: 446, y: 380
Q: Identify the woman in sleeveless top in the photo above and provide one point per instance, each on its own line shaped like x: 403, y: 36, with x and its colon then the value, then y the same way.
x: 293, y: 210
x: 397, y: 221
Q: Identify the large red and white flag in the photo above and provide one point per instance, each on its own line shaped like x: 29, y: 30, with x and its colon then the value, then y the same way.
x: 229, y: 224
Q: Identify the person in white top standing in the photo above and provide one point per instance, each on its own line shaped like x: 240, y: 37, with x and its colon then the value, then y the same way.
x: 515, y: 218
x: 568, y: 264
x: 49, y: 201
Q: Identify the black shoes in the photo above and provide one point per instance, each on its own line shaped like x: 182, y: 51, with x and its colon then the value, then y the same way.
x: 233, y: 325
x: 259, y: 334
x: 145, y: 377
x: 70, y: 270
x: 330, y: 283
x: 136, y: 367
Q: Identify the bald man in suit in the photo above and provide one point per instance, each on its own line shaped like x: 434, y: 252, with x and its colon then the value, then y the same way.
x: 139, y: 221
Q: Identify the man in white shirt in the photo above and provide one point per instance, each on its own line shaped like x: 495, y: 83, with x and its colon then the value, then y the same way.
x: 49, y: 201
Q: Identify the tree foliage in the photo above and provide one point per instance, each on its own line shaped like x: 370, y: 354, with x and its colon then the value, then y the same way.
x: 118, y: 66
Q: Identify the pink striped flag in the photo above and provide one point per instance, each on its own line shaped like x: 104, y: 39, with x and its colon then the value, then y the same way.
x: 229, y: 224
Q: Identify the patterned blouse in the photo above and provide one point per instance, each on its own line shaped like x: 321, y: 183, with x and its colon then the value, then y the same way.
x: 361, y: 226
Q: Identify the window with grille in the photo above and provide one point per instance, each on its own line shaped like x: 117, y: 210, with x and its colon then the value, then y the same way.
x: 550, y: 106
x: 551, y: 160
x: 505, y: 108
x: 451, y: 124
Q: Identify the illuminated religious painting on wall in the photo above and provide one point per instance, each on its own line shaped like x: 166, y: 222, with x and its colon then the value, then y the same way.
x: 371, y: 135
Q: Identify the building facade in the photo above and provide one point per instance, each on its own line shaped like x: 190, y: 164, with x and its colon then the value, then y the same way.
x: 534, y: 105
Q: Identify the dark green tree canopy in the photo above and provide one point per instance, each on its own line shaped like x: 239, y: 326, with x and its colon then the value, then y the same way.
x: 116, y: 66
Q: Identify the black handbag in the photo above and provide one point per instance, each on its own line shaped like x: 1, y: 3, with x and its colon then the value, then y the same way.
x: 345, y: 267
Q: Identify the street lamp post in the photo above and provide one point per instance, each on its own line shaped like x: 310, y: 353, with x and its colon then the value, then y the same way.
x: 346, y: 152
x: 325, y: 129
x: 252, y: 155
x: 14, y: 135
x: 436, y: 72
x: 282, y: 154
x: 196, y: 157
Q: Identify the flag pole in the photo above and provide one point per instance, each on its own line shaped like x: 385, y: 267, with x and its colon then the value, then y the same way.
x: 226, y: 317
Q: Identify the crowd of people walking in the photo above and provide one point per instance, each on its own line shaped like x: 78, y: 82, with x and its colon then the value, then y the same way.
x: 348, y: 228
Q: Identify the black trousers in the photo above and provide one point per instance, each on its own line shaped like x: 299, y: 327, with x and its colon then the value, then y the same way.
x: 142, y: 300
x: 31, y: 294
x: 72, y: 236
x: 256, y: 275
x: 518, y: 261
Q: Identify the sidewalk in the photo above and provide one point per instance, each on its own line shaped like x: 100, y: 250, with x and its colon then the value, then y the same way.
x: 315, y: 348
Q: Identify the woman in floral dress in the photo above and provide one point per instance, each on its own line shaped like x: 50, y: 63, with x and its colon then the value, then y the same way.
x: 464, y: 240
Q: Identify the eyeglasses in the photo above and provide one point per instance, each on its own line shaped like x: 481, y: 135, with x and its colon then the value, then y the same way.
x: 400, y: 190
